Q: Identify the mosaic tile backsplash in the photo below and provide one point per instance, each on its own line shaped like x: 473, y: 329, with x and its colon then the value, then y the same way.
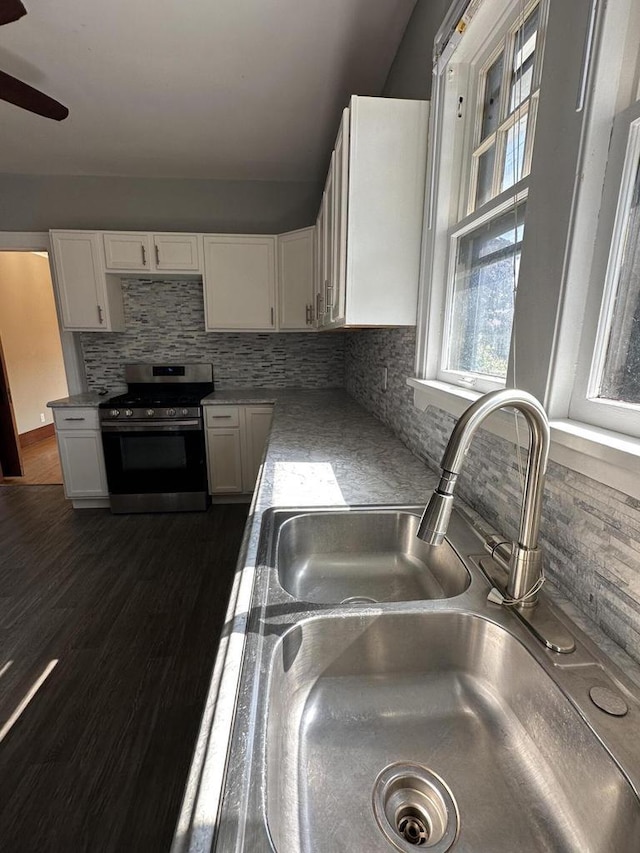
x: 165, y: 322
x: 590, y: 532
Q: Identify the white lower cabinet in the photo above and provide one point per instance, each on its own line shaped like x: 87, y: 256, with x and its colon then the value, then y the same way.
x: 224, y: 454
x: 81, y: 456
x: 236, y: 438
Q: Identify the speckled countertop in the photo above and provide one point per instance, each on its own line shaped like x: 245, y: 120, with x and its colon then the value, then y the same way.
x: 323, y: 450
x: 89, y: 398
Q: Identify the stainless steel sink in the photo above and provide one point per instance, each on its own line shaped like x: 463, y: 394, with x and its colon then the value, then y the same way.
x: 363, y: 555
x: 434, y: 729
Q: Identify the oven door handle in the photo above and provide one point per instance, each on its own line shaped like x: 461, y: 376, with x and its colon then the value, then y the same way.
x: 151, y: 426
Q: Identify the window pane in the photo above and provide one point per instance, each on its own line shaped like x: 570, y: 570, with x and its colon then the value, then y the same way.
x: 491, y: 105
x: 481, y: 314
x: 514, y: 152
x: 621, y: 375
x: 523, y: 58
x: 484, y: 183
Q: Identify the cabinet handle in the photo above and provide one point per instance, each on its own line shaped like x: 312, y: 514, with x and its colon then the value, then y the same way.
x: 75, y: 419
x: 330, y: 303
x: 221, y: 416
x: 100, y: 315
x: 306, y: 316
x: 144, y: 255
x: 319, y: 301
x: 272, y: 317
x: 157, y: 255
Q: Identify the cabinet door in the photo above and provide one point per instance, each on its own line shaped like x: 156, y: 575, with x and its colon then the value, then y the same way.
x: 328, y: 241
x: 295, y: 280
x: 257, y: 421
x: 340, y: 201
x: 239, y: 283
x: 127, y: 251
x: 178, y: 252
x: 318, y: 302
x: 224, y: 458
x: 79, y: 277
x: 82, y: 461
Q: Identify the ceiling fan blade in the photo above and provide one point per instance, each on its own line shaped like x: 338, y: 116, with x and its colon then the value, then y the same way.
x: 10, y: 11
x: 16, y: 92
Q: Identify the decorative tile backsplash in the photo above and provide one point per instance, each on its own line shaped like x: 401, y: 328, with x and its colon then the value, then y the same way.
x: 165, y: 322
x: 590, y: 532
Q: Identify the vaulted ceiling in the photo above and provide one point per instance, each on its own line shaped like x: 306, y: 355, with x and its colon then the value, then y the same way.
x: 224, y: 89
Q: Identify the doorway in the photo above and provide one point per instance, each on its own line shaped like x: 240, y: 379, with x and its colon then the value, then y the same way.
x: 32, y: 370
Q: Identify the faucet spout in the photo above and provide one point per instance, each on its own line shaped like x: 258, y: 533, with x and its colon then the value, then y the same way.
x: 525, y: 565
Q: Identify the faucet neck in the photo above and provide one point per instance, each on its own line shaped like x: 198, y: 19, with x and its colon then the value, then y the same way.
x: 539, y: 441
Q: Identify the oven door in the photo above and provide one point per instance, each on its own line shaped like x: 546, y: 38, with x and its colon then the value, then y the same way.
x: 154, y: 458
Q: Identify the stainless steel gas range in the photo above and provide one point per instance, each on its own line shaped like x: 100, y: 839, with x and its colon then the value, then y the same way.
x: 153, y: 439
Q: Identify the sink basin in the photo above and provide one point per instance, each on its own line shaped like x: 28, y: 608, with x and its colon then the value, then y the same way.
x: 334, y: 557
x: 359, y: 702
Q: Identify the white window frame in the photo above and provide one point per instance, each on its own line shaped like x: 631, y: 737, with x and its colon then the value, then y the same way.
x: 593, y: 61
x: 620, y: 179
x: 452, y: 193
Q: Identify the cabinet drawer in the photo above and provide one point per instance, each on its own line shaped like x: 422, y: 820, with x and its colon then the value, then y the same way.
x: 76, y: 418
x: 222, y: 416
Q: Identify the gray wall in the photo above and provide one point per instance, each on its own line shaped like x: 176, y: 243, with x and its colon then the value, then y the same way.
x: 40, y: 202
x: 410, y: 73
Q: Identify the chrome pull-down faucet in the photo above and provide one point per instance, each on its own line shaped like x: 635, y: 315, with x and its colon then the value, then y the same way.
x: 525, y: 560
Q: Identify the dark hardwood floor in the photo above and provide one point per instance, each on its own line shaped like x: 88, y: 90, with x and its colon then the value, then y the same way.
x: 41, y: 464
x: 131, y: 608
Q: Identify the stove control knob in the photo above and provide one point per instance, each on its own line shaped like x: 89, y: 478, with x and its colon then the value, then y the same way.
x: 171, y: 412
x: 128, y: 413
x: 184, y: 412
x: 113, y: 413
x: 150, y: 413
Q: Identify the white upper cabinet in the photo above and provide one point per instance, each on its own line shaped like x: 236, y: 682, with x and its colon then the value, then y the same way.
x: 130, y: 251
x: 240, y: 283
x: 336, y: 307
x: 296, y: 280
x: 176, y: 252
x: 319, y: 294
x: 127, y: 251
x: 373, y: 213
x: 90, y: 300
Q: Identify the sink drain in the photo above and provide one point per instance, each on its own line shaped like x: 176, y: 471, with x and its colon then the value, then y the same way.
x: 415, y: 808
x: 413, y: 827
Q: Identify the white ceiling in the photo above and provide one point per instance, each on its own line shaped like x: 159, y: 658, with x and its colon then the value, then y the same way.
x: 224, y: 89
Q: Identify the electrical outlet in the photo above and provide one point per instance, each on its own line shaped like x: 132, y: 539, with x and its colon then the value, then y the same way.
x: 42, y: 417
x: 385, y: 378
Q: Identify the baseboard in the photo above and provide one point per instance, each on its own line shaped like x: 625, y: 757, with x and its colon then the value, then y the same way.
x: 33, y: 436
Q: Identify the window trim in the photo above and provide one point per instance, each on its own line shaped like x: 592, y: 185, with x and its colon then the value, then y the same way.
x: 622, y: 168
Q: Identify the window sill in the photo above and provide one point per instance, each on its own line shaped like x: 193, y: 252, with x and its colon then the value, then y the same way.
x: 605, y: 456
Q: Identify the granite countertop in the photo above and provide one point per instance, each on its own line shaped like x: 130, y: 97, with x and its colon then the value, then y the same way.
x: 89, y: 398
x: 255, y: 396
x: 323, y: 450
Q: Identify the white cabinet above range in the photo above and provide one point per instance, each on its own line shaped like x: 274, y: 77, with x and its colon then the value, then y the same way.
x: 240, y: 283
x: 129, y: 251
